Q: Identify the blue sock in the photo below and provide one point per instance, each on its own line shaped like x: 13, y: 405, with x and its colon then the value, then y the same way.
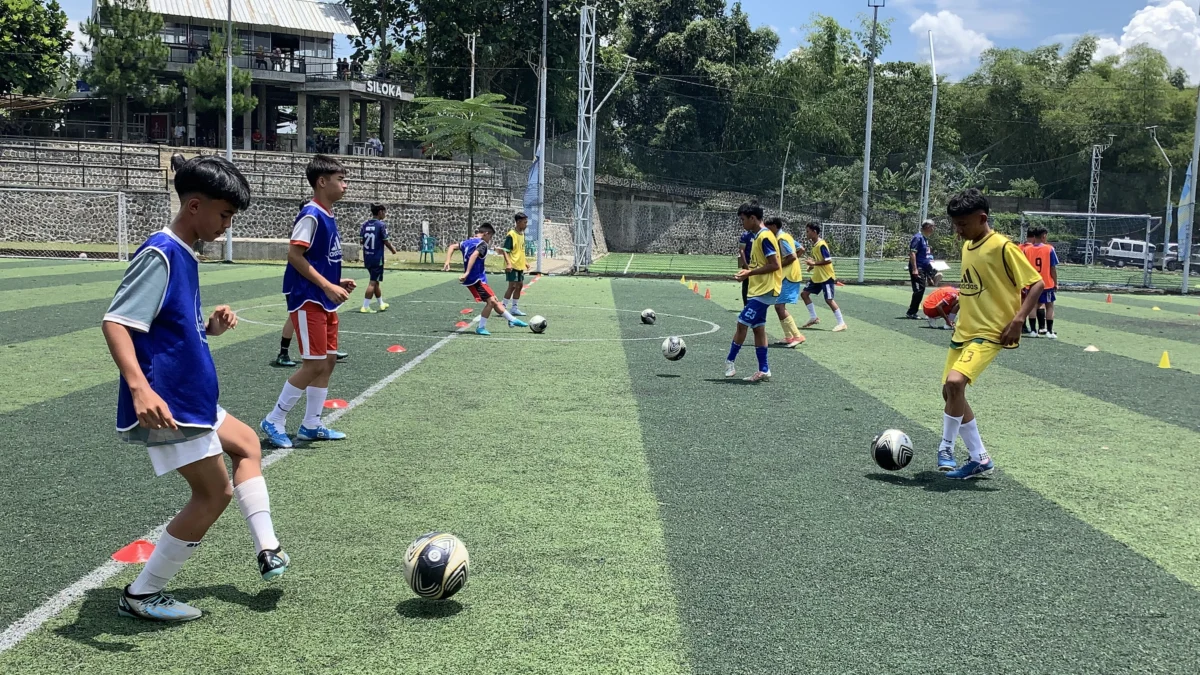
x: 761, y: 353
x: 734, y: 348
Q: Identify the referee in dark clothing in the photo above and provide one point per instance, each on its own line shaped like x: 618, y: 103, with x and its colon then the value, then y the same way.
x: 920, y: 267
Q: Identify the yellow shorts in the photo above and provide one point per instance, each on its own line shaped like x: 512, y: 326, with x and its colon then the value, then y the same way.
x: 971, y: 359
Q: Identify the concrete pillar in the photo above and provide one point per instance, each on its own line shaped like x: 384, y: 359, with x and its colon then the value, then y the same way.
x: 344, y: 121
x: 301, y: 122
x: 262, y: 113
x: 387, y: 123
x: 247, y: 129
x: 362, y: 121
x: 191, y: 117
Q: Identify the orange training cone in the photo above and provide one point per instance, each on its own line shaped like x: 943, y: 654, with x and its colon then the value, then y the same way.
x: 137, y: 552
x: 397, y: 349
x: 336, y: 403
x: 696, y: 288
x: 1109, y: 299
x: 708, y: 294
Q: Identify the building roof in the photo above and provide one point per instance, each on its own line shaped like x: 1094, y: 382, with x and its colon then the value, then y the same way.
x: 298, y: 16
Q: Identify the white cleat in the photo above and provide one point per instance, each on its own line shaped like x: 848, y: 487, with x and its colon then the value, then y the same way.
x: 811, y: 323
x: 758, y: 376
x: 730, y: 370
x: 839, y: 328
x: 1052, y: 336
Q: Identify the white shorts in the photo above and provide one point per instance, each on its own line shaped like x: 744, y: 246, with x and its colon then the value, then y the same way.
x: 171, y: 456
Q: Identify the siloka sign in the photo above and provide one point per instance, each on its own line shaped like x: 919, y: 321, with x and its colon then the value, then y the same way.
x: 383, y: 88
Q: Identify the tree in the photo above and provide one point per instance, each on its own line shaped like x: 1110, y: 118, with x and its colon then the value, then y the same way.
x: 34, y: 40
x: 472, y: 126
x: 207, y: 80
x: 127, y: 54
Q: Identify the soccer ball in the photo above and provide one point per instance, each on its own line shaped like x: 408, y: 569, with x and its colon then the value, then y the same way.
x: 435, y: 565
x: 538, y: 324
x: 892, y: 450
x: 674, y: 348
x: 83, y: 255
x: 649, y: 317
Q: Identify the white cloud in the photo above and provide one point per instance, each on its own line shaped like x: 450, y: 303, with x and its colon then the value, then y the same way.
x: 1006, y: 19
x: 794, y: 30
x: 1170, y: 26
x: 958, y: 47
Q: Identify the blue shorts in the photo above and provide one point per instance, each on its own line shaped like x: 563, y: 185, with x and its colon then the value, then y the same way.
x: 754, y: 314
x: 1047, y: 296
x: 825, y: 288
x: 375, y: 269
x: 790, y: 294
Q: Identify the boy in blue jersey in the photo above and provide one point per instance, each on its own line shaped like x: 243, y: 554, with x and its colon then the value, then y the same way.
x: 374, y: 236
x: 766, y: 281
x: 474, y: 276
x: 314, y: 288
x: 168, y: 392
x: 920, y: 267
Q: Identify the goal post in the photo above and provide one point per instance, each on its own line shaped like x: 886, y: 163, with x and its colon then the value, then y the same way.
x: 63, y: 223
x: 1102, y: 249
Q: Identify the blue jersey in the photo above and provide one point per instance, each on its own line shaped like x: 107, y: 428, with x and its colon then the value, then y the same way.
x: 746, y: 240
x: 373, y: 233
x: 316, y: 230
x: 476, y: 273
x: 920, y: 246
x: 173, y: 353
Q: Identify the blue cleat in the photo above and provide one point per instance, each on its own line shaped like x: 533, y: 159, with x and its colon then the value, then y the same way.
x: 275, y: 436
x: 480, y: 330
x: 321, y: 433
x: 973, y: 469
x: 946, y: 460
x: 517, y: 312
x: 517, y: 323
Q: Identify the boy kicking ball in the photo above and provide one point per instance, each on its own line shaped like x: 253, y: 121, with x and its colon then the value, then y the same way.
x: 991, y: 314
x: 474, y: 277
x: 167, y: 396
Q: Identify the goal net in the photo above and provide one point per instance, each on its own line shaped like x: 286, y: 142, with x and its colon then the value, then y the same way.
x: 50, y: 223
x: 1102, y: 249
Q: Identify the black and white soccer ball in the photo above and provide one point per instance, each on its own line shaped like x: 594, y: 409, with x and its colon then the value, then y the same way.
x: 649, y: 317
x: 538, y: 324
x: 436, y: 565
x: 892, y: 450
x: 674, y: 348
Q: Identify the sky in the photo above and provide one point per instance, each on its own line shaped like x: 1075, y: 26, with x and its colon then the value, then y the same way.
x: 965, y: 28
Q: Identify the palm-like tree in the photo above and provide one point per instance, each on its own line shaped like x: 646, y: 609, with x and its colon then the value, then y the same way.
x: 472, y: 126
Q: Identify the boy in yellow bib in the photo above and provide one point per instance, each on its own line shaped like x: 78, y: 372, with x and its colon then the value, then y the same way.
x: 789, y: 258
x: 822, y: 280
x: 766, y: 281
x: 514, y: 263
x: 991, y: 315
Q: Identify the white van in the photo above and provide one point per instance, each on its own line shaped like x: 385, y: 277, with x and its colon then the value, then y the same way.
x: 1122, y: 252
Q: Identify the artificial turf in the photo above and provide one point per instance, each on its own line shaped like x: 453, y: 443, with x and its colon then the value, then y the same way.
x: 625, y: 513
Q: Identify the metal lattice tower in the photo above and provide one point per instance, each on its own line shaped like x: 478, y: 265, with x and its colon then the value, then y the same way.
x: 585, y: 146
x: 1094, y: 198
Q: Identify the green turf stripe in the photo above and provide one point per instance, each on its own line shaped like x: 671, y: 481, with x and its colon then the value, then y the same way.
x: 52, y: 270
x: 1171, y: 303
x: 1136, y: 385
x: 792, y: 553
x: 63, y: 283
x: 1123, y: 307
x: 549, y: 490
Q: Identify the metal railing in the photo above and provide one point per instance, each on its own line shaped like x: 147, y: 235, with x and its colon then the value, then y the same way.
x: 81, y: 151
x: 69, y: 175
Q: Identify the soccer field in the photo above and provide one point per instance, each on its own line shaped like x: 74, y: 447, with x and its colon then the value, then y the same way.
x: 624, y: 513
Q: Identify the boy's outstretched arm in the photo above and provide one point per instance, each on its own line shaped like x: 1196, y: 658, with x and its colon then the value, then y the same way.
x: 449, y: 252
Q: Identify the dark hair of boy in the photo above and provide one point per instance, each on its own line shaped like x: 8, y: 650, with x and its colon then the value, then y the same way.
x: 322, y: 165
x: 775, y: 221
x: 485, y: 227
x: 377, y: 209
x: 751, y: 209
x: 815, y: 227
x: 212, y: 176
x: 520, y: 215
x: 967, y: 202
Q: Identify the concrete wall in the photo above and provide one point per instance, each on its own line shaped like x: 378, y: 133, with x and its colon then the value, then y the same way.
x: 47, y: 216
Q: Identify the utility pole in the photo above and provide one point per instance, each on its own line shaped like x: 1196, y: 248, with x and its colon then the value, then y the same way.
x: 866, y: 188
x: 229, y: 109
x: 1167, y: 222
x: 541, y: 145
x: 1094, y: 198
x: 471, y: 46
x: 932, y: 127
x: 1191, y: 217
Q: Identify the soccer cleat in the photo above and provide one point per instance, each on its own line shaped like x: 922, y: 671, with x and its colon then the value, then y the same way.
x: 973, y: 469
x: 913, y: 317
x: 1052, y: 336
x: 758, y: 376
x: 272, y: 563
x: 517, y: 323
x: 946, y: 461
x: 1033, y: 334
x: 341, y: 355
x: 283, y: 361
x: 365, y: 310
x: 275, y: 436
x: 730, y: 369
x: 383, y: 306
x: 155, y: 607
x: 321, y: 433
x: 516, y: 312
x: 1042, y: 333
x: 839, y: 328
x: 480, y: 330
x: 811, y: 323
x: 780, y: 343
x: 794, y: 342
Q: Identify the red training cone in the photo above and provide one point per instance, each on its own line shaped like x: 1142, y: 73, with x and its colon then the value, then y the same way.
x: 397, y: 349
x: 137, y: 552
x: 335, y: 403
x: 468, y: 310
x: 696, y: 288
x: 1109, y: 299
x: 708, y: 294
x: 461, y: 324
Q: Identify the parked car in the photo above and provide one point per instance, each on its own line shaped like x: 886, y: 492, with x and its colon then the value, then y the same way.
x: 1078, y: 252
x: 1122, y: 252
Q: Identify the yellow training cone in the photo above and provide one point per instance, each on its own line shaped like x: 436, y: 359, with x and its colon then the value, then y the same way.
x: 1156, y: 309
x: 1165, y: 361
x: 683, y: 280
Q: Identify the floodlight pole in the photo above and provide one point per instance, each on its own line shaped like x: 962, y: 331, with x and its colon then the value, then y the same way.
x: 932, y: 127
x: 1094, y: 198
x: 471, y: 46
x: 1170, y: 177
x: 229, y: 109
x: 866, y: 191
x: 540, y: 154
x: 1187, y: 254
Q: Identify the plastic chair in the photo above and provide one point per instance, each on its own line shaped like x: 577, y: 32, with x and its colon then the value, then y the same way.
x: 530, y: 248
x: 427, y: 245
x: 548, y: 247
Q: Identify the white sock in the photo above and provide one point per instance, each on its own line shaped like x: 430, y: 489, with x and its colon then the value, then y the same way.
x: 812, y: 310
x: 508, y: 316
x: 837, y: 314
x: 255, y: 505
x: 287, y: 400
x: 165, y: 562
x: 379, y: 298
x: 507, y: 303
x: 483, y: 322
x: 970, y: 436
x: 950, y: 430
x: 314, y: 403
x: 514, y: 304
x: 366, y: 303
